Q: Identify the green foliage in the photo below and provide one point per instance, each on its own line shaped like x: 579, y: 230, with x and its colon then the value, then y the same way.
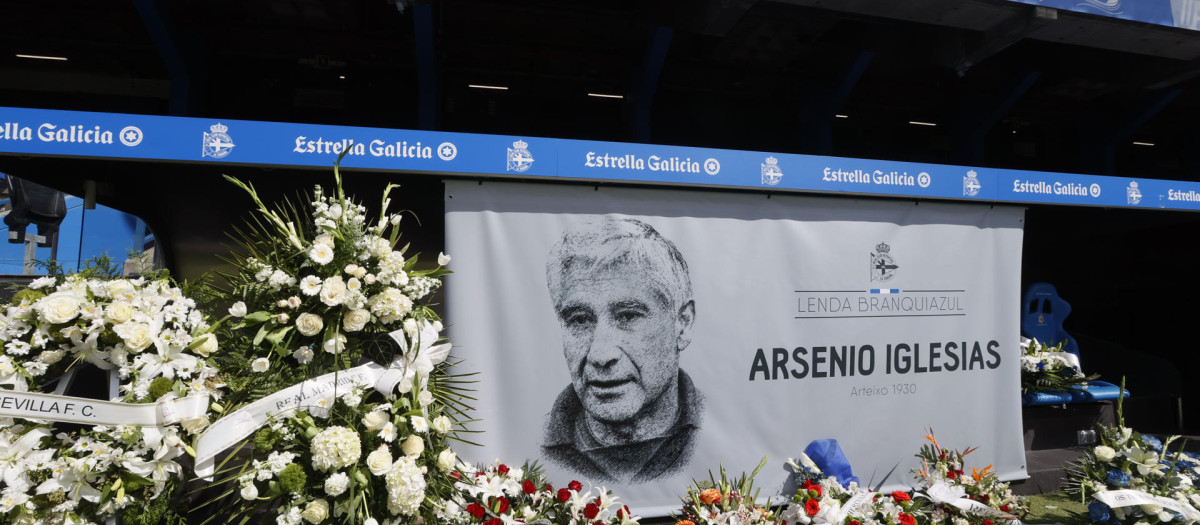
x: 292, y: 478
x: 27, y: 294
x: 159, y: 387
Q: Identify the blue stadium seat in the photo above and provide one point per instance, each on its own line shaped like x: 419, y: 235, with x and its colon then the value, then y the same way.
x: 1042, y: 315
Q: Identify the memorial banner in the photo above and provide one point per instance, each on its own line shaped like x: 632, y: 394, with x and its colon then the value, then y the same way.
x: 639, y: 338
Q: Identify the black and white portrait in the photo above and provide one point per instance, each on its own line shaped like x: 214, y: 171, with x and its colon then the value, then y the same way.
x: 623, y: 300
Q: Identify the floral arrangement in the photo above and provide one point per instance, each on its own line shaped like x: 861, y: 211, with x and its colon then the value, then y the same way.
x: 499, y: 495
x: 1046, y: 368
x: 1125, y: 460
x: 725, y: 501
x: 821, y: 499
x: 317, y: 289
x: 960, y: 498
x: 150, y: 336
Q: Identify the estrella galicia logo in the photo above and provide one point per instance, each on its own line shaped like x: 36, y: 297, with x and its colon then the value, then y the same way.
x: 771, y: 174
x: 883, y: 266
x: 712, y: 166
x: 217, y: 144
x: 1132, y: 194
x: 519, y: 157
x: 971, y: 184
x: 447, y: 151
x: 131, y: 136
x: 1095, y: 189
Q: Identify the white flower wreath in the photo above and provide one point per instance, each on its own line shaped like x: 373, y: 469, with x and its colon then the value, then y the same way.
x: 151, y: 341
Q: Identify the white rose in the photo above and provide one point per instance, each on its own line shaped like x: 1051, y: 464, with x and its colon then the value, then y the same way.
x: 380, y: 461
x: 441, y: 424
x: 419, y: 424
x: 138, y: 337
x: 249, y: 492
x: 445, y: 460
x: 355, y: 320
x: 119, y: 312
x: 208, y: 345
x: 333, y: 291
x: 51, y: 356
x: 282, y: 303
x: 1105, y: 454
x: 425, y: 398
x: 375, y: 420
x: 282, y: 318
x: 443, y: 259
x: 316, y: 512
x: 59, y: 307
x: 413, y: 446
x: 410, y: 327
x: 351, y: 268
x: 335, y: 345
x: 119, y: 289
x: 303, y: 354
x: 293, y: 302
x: 325, y: 239
x: 369, y: 278
x: 320, y: 254
x: 260, y: 365
x: 309, y: 324
x: 238, y: 309
x: 360, y: 272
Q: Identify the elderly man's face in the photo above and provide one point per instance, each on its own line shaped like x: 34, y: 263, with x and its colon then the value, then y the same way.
x: 621, y: 341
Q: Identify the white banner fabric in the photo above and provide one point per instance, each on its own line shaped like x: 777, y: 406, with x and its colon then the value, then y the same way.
x: 53, y: 407
x: 638, y: 338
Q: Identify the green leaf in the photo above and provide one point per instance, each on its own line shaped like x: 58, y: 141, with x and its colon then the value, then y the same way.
x: 277, y: 336
x: 262, y: 333
x: 260, y: 316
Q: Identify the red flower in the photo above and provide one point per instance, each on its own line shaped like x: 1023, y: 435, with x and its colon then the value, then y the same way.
x: 564, y: 495
x: 812, y: 507
x: 591, y: 511
x: 528, y: 487
x: 1006, y: 507
x: 988, y: 522
x: 499, y: 505
x: 502, y: 469
x: 495, y: 521
x: 985, y: 498
x: 900, y: 495
x: 575, y: 486
x: 816, y: 488
x: 623, y: 512
x: 808, y: 483
x: 951, y: 474
x: 548, y: 488
x: 905, y: 519
x: 454, y: 474
x: 476, y: 510
x: 854, y: 522
x: 597, y: 522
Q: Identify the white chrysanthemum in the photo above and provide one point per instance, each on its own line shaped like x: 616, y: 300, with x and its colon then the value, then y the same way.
x: 335, y: 447
x: 337, y: 484
x: 390, y: 303
x: 406, y: 487
x: 321, y: 253
x: 42, y: 282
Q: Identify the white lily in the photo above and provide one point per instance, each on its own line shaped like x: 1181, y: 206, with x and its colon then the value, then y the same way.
x: 72, y: 478
x: 1146, y: 460
x: 89, y: 350
x: 419, y: 360
x: 16, y: 457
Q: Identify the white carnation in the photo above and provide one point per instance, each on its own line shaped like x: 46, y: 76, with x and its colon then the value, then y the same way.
x: 303, y: 354
x: 337, y: 484
x: 42, y: 282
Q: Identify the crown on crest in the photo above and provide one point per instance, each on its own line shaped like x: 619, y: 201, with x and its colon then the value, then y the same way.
x: 520, y: 144
x: 971, y: 173
x: 1133, y: 184
x: 219, y: 128
x: 772, y: 161
x: 883, y: 247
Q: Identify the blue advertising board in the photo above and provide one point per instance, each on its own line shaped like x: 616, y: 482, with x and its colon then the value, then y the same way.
x: 199, y: 140
x: 1171, y: 13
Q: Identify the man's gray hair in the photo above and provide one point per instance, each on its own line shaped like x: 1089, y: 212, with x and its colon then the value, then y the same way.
x: 612, y: 241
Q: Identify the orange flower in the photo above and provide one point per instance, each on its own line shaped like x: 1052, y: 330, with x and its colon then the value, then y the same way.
x: 710, y: 496
x: 684, y: 522
x: 979, y: 474
x: 933, y: 440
